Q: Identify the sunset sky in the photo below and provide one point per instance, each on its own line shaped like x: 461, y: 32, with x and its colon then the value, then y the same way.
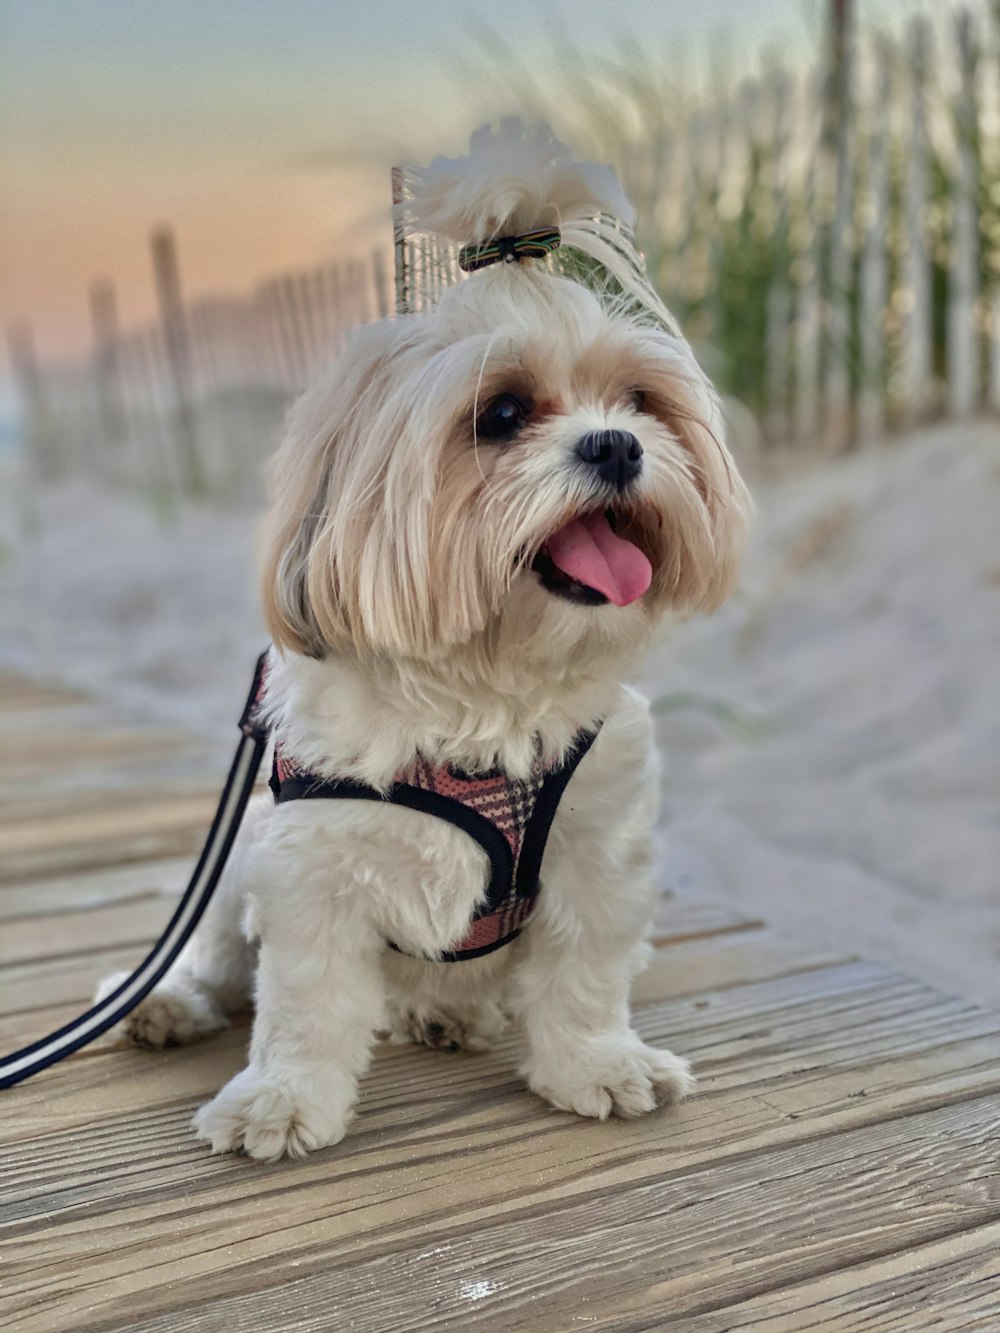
x: 262, y: 130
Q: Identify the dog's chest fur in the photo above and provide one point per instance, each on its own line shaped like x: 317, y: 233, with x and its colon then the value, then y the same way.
x: 421, y: 879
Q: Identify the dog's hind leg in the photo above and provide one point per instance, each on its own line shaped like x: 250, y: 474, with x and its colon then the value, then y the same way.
x: 449, y: 1006
x: 213, y: 977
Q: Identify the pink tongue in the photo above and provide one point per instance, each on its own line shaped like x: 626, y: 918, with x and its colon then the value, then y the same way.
x: 587, y: 550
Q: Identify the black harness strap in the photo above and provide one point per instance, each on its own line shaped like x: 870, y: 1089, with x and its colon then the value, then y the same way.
x: 22, y: 1064
x: 536, y: 835
x: 489, y: 837
x: 513, y: 888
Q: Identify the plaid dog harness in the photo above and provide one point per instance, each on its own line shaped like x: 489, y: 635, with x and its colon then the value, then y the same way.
x: 509, y: 818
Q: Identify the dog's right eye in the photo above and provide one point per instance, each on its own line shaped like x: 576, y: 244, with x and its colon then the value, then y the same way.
x: 502, y: 417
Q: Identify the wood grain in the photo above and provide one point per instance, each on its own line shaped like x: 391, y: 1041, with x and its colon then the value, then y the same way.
x: 667, y: 1246
x: 951, y: 1284
x: 81, y: 890
x: 836, y: 1169
x: 140, y: 830
x: 30, y: 987
x: 17, y: 694
x: 455, y: 1141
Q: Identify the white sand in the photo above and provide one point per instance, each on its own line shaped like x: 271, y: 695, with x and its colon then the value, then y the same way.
x: 862, y: 806
x: 866, y: 812
x: 159, y: 615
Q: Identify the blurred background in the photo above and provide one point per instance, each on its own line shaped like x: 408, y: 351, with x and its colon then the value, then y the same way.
x: 195, y: 212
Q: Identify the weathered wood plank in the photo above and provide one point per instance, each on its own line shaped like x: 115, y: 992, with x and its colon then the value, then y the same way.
x: 684, y: 916
x: 53, y: 751
x: 140, y: 831
x: 425, y: 1116
x: 734, y: 959
x: 835, y: 1169
x: 47, y: 764
x: 135, y: 924
x: 105, y: 925
x: 694, y: 965
x: 17, y: 693
x: 124, y: 790
x: 51, y: 936
x: 36, y: 717
x: 842, y: 1049
x: 33, y: 987
x: 105, y: 784
x: 77, y: 892
x: 746, y: 1226
x: 951, y: 1284
x: 667, y: 1244
x: 136, y: 1079
x: 137, y: 920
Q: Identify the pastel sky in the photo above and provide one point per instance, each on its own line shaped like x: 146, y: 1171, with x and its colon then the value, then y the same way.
x: 263, y: 130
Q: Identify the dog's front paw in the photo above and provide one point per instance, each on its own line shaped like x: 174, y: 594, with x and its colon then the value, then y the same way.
x: 627, y: 1077
x: 268, y: 1118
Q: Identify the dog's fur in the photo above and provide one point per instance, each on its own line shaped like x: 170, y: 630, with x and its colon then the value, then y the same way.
x: 399, y: 590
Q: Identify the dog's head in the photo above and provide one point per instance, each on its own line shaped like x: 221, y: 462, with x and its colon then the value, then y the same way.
x: 534, y: 465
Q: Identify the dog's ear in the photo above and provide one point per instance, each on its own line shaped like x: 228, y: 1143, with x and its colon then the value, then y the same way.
x: 288, y: 613
x: 708, y: 535
x: 299, y: 579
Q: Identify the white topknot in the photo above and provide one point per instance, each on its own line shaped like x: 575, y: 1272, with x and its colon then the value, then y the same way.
x: 518, y: 179
x: 515, y: 179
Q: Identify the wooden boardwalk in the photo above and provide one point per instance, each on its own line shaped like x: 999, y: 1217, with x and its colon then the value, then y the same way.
x: 837, y: 1168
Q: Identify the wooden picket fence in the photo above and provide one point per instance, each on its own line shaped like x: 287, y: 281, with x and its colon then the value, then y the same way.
x: 194, y: 402
x: 830, y: 240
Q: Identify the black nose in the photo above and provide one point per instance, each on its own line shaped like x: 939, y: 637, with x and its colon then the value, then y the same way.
x: 616, y: 454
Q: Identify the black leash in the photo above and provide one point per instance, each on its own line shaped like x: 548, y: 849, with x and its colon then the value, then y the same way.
x: 22, y: 1064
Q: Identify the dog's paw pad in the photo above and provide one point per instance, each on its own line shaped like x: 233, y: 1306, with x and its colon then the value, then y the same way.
x: 265, y: 1121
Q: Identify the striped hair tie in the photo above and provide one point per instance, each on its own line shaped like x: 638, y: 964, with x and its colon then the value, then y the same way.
x: 509, y: 249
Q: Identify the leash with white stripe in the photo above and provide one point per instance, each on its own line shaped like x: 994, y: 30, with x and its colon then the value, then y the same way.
x: 30, y: 1060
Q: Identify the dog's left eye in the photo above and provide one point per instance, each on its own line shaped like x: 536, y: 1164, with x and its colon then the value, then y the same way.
x: 636, y: 400
x: 502, y: 417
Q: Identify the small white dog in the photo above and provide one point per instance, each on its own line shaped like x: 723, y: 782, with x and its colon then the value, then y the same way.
x: 480, y: 516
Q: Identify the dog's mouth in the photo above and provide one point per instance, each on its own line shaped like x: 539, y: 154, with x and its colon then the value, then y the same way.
x: 592, y: 560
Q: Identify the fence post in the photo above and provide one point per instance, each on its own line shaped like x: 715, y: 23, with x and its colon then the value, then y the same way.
x: 916, y: 267
x: 963, y: 268
x: 359, y: 309
x: 175, y: 340
x: 106, y: 334
x: 335, y: 282
x: 807, y: 291
x: 310, y: 317
x: 871, y: 400
x: 837, y: 144
x: 399, y: 244
x: 777, y: 382
x: 38, y: 430
x: 381, y: 285
x: 291, y: 315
